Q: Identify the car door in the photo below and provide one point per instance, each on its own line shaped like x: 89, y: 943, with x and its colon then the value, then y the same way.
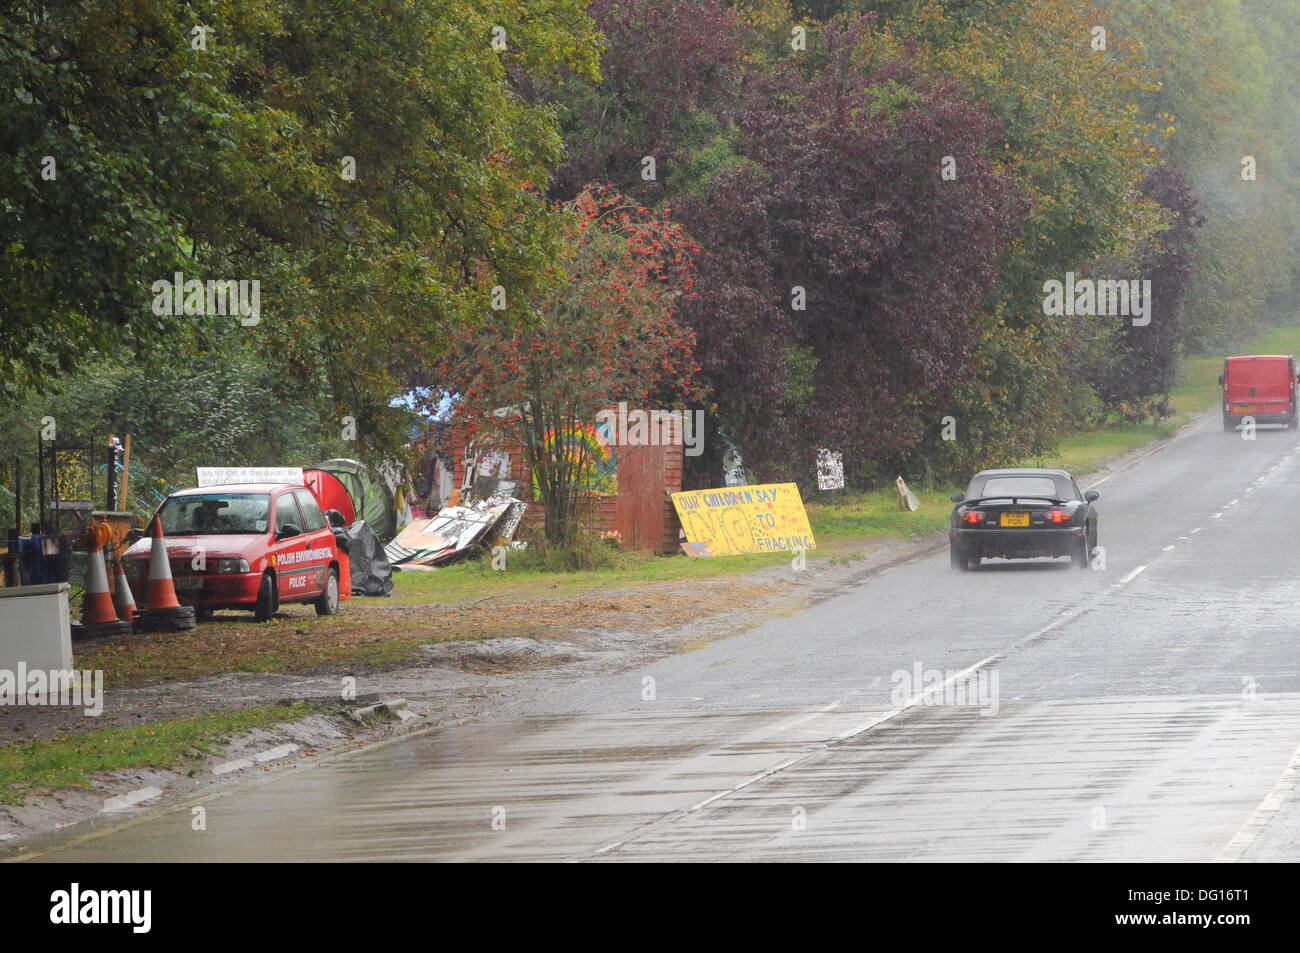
x: 319, y: 536
x: 292, y: 551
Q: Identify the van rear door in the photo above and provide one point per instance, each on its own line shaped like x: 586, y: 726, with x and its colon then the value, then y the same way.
x: 1260, y: 385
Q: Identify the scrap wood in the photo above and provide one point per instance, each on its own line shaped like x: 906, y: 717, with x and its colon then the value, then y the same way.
x: 454, y: 530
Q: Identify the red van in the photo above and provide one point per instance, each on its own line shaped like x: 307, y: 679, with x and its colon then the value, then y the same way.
x: 1261, y: 386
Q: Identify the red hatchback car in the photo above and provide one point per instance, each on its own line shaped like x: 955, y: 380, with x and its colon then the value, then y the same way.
x: 245, y: 546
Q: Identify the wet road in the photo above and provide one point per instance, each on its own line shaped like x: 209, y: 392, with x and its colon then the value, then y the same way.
x: 1149, y: 710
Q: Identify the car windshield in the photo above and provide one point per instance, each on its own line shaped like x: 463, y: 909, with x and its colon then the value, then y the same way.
x: 215, y: 513
x: 1041, y: 486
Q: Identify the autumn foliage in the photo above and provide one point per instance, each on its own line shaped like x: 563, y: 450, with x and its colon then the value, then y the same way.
x: 606, y: 333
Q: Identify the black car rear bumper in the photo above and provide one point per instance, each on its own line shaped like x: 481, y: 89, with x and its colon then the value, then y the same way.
x: 989, y: 543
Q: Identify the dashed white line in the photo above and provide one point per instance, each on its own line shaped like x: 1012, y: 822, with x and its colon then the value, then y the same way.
x: 1167, y: 548
x: 1131, y: 576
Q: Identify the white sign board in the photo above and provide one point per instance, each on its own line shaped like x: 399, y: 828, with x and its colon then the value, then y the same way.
x: 830, y: 470
x: 220, y: 476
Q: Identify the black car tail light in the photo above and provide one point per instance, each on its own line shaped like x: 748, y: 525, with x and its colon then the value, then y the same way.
x: 1057, y: 516
x: 972, y: 516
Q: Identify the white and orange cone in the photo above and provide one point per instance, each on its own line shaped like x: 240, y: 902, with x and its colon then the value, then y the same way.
x: 163, y: 612
x: 98, y: 614
x: 162, y: 591
x: 123, y: 599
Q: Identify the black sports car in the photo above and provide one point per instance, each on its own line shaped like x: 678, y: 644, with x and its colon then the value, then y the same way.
x: 1020, y: 514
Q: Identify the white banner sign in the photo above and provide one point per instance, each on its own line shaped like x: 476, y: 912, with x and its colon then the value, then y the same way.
x: 830, y: 470
x: 220, y: 476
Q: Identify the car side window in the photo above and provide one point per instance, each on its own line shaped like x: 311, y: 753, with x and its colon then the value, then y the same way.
x: 286, y: 512
x: 311, y: 512
x: 1078, y: 494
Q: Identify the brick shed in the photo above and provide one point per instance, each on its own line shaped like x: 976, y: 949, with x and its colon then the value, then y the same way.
x: 641, y: 512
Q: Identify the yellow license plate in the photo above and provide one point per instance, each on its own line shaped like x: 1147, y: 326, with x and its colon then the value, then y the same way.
x: 1245, y: 408
x: 1015, y: 519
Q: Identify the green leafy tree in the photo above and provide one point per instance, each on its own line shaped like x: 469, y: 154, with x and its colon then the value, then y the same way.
x: 372, y: 165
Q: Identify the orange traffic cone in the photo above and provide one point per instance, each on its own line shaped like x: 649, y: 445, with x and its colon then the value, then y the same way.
x: 162, y: 593
x: 163, y: 613
x: 123, y: 599
x: 98, y: 615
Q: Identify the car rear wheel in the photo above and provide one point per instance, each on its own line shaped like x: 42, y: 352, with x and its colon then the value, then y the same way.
x: 1081, y: 557
x: 203, y: 615
x: 265, y: 606
x: 1227, y: 424
x: 957, y: 558
x: 328, y: 603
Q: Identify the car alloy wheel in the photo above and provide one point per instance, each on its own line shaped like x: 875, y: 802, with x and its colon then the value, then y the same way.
x: 328, y: 603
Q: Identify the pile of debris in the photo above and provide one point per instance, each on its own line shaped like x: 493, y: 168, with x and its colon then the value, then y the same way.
x: 489, y: 513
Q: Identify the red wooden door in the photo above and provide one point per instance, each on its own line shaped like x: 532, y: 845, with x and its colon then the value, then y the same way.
x: 639, y: 512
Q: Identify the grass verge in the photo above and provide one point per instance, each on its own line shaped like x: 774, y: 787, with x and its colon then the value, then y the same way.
x: 69, y: 761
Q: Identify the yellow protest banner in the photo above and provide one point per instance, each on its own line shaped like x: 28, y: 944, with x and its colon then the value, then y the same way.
x: 768, y: 518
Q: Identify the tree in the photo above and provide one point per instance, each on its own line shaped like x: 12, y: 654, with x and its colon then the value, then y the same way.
x: 1128, y: 364
x: 1075, y: 139
x: 231, y: 409
x: 1228, y: 79
x: 606, y: 334
x: 369, y: 164
x: 667, y: 66
x: 842, y: 207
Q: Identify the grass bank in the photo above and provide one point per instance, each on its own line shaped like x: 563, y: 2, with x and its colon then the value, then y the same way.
x: 69, y: 761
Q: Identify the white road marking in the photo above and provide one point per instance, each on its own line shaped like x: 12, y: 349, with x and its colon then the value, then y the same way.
x: 916, y: 699
x: 797, y: 721
x: 1217, y: 515
x: 1131, y: 576
x: 744, y: 784
x: 1169, y: 547
x: 1268, y: 808
x: 1197, y: 530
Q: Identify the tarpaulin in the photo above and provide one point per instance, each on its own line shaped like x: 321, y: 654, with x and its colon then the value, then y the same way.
x: 371, y: 573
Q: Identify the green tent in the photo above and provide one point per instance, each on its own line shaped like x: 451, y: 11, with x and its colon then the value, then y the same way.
x: 371, y: 498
